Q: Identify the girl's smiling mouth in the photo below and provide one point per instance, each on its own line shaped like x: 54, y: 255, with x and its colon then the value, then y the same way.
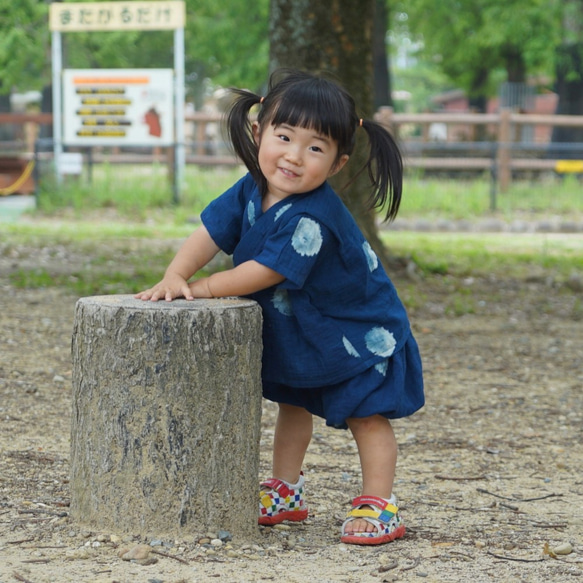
x: 288, y: 173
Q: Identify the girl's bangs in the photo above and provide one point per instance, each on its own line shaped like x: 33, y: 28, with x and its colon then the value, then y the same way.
x: 312, y: 112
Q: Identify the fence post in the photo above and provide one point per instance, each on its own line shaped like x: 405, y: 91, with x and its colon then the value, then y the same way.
x: 504, y: 150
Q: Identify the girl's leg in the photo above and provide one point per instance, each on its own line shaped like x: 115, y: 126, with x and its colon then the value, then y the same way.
x: 377, y: 449
x: 293, y: 432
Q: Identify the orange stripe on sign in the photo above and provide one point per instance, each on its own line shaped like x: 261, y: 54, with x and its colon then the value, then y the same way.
x: 111, y: 80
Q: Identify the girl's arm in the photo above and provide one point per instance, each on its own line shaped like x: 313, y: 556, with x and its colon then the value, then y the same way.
x: 244, y: 279
x: 194, y: 254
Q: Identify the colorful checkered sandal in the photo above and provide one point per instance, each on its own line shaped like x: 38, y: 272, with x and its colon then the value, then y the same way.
x: 279, y: 501
x: 383, y: 515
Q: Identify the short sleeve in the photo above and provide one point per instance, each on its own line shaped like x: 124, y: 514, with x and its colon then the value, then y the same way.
x: 223, y: 217
x: 294, y: 249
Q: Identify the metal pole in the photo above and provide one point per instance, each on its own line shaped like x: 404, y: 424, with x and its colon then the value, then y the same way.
x: 179, y: 158
x: 56, y: 53
x: 35, y: 172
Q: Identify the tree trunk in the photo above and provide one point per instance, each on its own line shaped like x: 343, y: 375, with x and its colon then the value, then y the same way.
x: 166, y: 415
x: 334, y: 36
x: 382, y: 78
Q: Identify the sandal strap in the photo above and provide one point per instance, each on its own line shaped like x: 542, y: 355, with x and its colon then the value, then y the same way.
x: 385, y: 511
x: 280, y: 487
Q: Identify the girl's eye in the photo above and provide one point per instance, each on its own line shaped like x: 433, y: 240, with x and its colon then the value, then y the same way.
x: 283, y: 137
x: 316, y: 149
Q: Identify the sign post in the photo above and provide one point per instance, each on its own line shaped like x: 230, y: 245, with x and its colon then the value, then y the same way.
x: 117, y: 106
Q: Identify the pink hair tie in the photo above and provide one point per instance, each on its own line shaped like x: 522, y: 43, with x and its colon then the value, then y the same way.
x: 262, y: 100
x: 361, y: 122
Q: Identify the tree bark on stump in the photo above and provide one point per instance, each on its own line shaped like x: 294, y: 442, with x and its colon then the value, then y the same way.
x: 166, y: 415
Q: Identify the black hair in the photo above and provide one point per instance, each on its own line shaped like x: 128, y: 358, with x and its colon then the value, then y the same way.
x: 314, y: 102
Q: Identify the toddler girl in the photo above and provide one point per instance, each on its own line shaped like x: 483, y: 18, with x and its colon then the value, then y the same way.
x: 336, y: 338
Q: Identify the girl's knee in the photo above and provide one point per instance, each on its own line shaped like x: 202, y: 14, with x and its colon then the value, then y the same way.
x: 372, y: 422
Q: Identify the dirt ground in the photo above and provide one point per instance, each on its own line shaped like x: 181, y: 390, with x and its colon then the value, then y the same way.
x: 489, y: 474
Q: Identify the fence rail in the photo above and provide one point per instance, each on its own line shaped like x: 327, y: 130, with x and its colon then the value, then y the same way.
x: 502, y: 154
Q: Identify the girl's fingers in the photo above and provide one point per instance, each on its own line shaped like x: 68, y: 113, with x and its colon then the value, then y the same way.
x: 187, y: 293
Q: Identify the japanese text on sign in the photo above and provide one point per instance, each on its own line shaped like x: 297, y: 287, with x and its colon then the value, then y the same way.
x: 80, y: 16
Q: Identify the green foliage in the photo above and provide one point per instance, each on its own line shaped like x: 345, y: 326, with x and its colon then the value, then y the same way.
x: 226, y: 41
x: 474, y: 42
x: 213, y: 48
x: 24, y: 45
x: 229, y: 41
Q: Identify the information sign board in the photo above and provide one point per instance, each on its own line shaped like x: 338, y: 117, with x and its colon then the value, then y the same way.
x: 132, y: 15
x: 109, y: 107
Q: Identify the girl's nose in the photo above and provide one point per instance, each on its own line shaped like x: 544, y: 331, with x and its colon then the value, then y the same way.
x: 293, y: 155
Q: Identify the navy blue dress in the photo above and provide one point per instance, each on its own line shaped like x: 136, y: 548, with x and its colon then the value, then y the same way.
x: 336, y: 337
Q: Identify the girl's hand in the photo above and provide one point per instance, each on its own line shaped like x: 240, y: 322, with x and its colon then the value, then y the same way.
x: 171, y: 287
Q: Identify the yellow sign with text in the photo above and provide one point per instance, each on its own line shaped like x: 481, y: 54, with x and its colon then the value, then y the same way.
x: 84, y: 16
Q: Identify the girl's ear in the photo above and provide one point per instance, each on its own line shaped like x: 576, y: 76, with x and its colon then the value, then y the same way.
x: 256, y: 132
x: 339, y: 165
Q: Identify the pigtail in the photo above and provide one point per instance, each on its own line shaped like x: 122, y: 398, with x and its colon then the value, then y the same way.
x: 385, y: 169
x: 240, y: 131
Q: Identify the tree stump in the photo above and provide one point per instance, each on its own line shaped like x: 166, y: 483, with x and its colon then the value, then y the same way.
x: 166, y: 415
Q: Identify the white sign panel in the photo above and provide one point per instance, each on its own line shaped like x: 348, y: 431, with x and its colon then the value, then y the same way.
x: 116, y: 107
x: 131, y: 15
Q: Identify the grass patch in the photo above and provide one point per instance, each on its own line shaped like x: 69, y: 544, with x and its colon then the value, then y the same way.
x: 463, y: 254
x: 102, y: 257
x: 136, y: 192
x: 122, y: 229
x: 139, y: 191
x: 470, y: 199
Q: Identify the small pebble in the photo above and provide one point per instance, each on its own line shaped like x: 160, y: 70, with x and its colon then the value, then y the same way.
x: 563, y: 549
x: 137, y: 553
x: 225, y: 535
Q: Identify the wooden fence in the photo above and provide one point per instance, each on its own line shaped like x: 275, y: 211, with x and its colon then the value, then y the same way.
x: 502, y: 153
x: 504, y: 148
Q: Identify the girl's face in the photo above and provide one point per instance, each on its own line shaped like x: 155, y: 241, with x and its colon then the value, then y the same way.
x: 294, y: 159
